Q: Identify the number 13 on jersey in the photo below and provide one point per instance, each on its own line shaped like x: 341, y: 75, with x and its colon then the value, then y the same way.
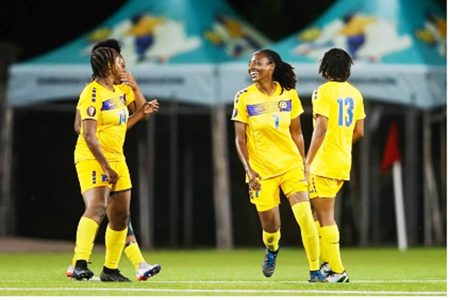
x: 345, y: 111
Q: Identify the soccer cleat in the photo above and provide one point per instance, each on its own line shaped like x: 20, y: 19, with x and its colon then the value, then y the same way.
x: 69, y: 271
x: 269, y: 262
x: 112, y: 275
x: 325, y: 269
x: 316, y: 276
x: 337, y: 277
x: 81, y: 271
x: 145, y: 271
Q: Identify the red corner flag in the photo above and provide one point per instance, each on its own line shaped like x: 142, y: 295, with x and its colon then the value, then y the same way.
x: 391, y: 151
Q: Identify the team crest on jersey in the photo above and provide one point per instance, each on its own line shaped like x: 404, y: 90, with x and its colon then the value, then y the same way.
x: 91, y: 111
x: 285, y: 105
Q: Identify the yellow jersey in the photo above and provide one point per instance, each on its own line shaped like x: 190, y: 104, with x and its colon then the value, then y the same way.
x: 271, y: 149
x: 109, y: 109
x: 342, y: 104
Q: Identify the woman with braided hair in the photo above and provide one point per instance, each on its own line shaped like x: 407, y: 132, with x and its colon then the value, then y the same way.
x: 270, y: 145
x: 100, y: 162
x: 144, y: 270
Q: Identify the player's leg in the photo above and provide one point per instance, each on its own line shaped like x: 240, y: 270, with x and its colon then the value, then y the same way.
x: 116, y: 231
x: 323, y: 205
x: 266, y: 201
x: 270, y: 223
x: 295, y: 188
x: 95, y: 193
x: 144, y: 270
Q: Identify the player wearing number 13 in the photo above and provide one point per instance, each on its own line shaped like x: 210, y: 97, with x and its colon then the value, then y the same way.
x: 338, y: 114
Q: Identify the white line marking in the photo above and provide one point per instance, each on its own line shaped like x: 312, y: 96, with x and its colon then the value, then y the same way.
x: 294, y: 281
x: 215, y: 291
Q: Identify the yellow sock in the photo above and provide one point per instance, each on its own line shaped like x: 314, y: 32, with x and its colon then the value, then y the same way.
x: 271, y: 240
x: 330, y: 237
x: 86, y: 232
x: 114, y: 241
x: 322, y: 253
x: 310, y: 237
x: 134, y: 254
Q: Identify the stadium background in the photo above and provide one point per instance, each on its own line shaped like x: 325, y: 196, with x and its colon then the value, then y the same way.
x: 48, y: 204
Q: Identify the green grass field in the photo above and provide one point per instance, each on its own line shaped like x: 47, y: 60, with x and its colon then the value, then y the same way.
x: 372, y: 271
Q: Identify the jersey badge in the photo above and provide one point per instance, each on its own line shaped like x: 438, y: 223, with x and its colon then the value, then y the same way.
x: 91, y: 111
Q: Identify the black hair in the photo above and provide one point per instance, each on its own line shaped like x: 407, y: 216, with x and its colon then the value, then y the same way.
x: 110, y: 43
x: 335, y: 65
x: 102, y: 60
x: 284, y: 73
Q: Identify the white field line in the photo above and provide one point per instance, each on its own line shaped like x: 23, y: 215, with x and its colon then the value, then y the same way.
x: 216, y: 291
x: 294, y: 281
x: 155, y: 281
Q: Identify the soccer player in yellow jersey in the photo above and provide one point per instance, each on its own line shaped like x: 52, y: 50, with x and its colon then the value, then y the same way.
x: 338, y: 113
x: 100, y: 163
x: 144, y: 270
x: 269, y: 142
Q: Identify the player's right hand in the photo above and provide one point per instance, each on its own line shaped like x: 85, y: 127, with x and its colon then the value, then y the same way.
x: 112, y: 175
x: 254, y: 179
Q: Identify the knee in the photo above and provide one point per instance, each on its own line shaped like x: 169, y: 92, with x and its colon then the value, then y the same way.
x: 120, y: 221
x: 96, y: 213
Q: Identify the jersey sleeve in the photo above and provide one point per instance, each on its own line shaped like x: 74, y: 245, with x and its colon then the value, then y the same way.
x: 359, y: 112
x: 89, y: 104
x: 320, y: 103
x: 239, y: 109
x: 297, y: 108
x: 128, y: 94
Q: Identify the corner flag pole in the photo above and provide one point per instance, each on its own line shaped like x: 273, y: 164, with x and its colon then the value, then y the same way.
x: 392, y: 158
x: 399, y: 207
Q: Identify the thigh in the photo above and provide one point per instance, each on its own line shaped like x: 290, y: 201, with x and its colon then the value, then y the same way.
x: 119, y: 210
x: 95, y: 200
x: 324, y: 210
x: 270, y: 219
x: 119, y: 202
x: 268, y: 196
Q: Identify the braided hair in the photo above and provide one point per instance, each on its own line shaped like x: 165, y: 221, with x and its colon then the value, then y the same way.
x: 102, y: 60
x: 335, y: 65
x: 283, y: 73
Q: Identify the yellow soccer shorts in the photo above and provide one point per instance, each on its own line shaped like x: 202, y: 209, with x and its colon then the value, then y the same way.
x: 323, y: 187
x: 268, y: 196
x: 91, y: 175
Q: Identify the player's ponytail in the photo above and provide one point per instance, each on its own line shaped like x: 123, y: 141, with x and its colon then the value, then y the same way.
x: 284, y: 73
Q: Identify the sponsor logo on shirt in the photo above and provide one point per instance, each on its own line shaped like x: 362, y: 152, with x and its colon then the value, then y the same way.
x: 270, y: 107
x: 108, y: 104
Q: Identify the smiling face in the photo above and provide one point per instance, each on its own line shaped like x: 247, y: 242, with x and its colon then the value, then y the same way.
x: 260, y: 67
